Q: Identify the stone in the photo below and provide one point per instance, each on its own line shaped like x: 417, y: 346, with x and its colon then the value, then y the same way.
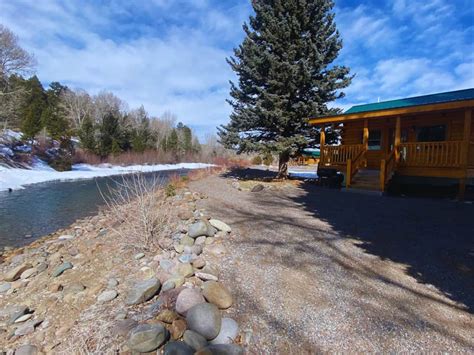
x: 178, y: 280
x: 199, y: 263
x: 228, y: 333
x: 23, y: 318
x: 201, y: 228
x: 147, y: 337
x: 28, y: 273
x: 179, y: 248
x: 188, y: 249
x: 188, y: 298
x: 26, y: 349
x: 66, y: 237
x: 4, y: 287
x: 124, y: 326
x: 112, y: 282
x: 257, y: 188
x: 15, y: 273
x: 211, y: 269
x: 107, y: 296
x: 194, y: 340
x: 204, y: 319
x: 206, y: 277
x: 219, y: 225
x: 221, y: 349
x: 168, y: 285
x: 26, y: 328
x: 209, y: 241
x: 139, y: 256
x: 177, y: 329
x: 167, y: 316
x: 185, y: 270
x: 187, y: 241
x: 186, y: 258
x: 196, y: 249
x: 166, y: 264
x: 217, y: 293
x: 73, y: 288
x: 143, y: 291
x: 61, y: 268
x: 200, y: 240
x: 16, y: 312
x: 41, y: 267
x: 185, y: 214
x: 177, y: 348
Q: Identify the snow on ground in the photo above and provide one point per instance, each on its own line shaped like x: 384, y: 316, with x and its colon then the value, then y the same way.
x: 41, y: 172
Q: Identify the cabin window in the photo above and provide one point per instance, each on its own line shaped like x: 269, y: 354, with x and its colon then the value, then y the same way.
x: 375, y: 139
x: 431, y: 133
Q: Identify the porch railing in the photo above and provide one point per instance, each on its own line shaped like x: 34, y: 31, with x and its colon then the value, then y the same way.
x: 388, y: 167
x: 340, y: 154
x: 431, y: 154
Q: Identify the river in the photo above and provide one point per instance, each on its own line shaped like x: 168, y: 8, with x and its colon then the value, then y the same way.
x: 40, y: 209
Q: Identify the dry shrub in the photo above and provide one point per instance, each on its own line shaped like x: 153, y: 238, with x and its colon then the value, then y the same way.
x: 139, y: 204
x: 232, y: 162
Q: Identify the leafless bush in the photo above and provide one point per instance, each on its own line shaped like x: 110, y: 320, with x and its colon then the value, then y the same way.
x: 138, y: 203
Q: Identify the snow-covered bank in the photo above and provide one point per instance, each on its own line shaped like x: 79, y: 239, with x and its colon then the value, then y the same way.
x: 41, y: 172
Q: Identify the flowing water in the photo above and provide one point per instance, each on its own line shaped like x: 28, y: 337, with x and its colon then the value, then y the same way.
x: 41, y: 209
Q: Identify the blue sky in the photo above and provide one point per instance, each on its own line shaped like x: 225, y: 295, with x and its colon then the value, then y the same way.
x: 169, y: 55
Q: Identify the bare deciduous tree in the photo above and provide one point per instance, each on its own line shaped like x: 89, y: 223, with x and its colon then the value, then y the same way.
x: 78, y: 105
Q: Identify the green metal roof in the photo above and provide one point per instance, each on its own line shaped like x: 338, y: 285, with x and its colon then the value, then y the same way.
x: 310, y: 153
x: 459, y: 95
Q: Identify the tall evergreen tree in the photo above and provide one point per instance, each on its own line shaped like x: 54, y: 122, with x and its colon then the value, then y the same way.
x: 54, y: 116
x: 286, y: 75
x: 87, y: 134
x: 172, y: 142
x: 35, y: 104
x: 109, y: 135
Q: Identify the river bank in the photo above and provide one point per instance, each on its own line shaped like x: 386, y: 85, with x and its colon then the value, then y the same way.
x: 103, y: 285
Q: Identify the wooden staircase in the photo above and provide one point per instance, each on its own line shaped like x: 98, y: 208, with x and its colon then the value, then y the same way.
x: 366, y: 179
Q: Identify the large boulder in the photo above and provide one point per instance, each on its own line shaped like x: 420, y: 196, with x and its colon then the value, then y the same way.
x: 147, y: 337
x: 216, y: 293
x: 143, y: 291
x: 188, y: 298
x: 204, y: 319
x: 177, y: 348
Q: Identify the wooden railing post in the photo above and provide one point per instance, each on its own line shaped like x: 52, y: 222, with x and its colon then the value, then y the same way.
x: 383, y: 171
x: 396, y: 144
x: 322, y: 142
x: 349, y: 173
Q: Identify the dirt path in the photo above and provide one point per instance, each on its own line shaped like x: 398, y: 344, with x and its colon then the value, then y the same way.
x: 321, y: 270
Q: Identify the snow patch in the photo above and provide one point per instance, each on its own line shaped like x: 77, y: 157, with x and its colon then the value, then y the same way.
x: 41, y: 172
x: 303, y: 174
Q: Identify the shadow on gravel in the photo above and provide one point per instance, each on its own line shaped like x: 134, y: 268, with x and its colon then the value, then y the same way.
x: 433, y: 238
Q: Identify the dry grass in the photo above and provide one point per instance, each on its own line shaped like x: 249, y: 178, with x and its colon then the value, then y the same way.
x: 138, y: 204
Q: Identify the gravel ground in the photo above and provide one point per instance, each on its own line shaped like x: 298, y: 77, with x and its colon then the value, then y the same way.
x: 317, y: 270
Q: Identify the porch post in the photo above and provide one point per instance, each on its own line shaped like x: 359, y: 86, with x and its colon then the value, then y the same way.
x: 365, y: 140
x: 465, y: 151
x: 322, y: 142
x: 396, y: 143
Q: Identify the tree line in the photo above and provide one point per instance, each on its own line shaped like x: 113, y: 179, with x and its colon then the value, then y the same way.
x: 103, y: 123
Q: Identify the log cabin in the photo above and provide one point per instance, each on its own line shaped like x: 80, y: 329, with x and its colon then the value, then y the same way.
x: 427, y: 136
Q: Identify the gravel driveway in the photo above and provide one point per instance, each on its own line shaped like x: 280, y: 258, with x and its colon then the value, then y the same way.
x: 316, y: 270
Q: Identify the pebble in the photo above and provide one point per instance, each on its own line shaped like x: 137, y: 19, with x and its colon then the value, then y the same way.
x: 28, y: 273
x: 221, y: 349
x: 166, y: 264
x: 196, y: 249
x: 186, y: 258
x: 185, y: 270
x: 200, y: 240
x: 204, y: 319
x: 112, y: 282
x: 199, y: 263
x: 219, y: 225
x: 168, y: 285
x: 167, y: 316
x: 187, y: 241
x: 15, y: 273
x: 61, y: 268
x: 4, y: 287
x: 66, y: 237
x: 41, y: 267
x: 209, y: 241
x: 139, y: 256
x: 147, y: 337
x: 177, y: 328
x: 206, y: 277
x: 23, y: 318
x: 177, y: 348
x: 107, y: 296
x: 26, y: 349
x: 257, y: 188
x: 194, y: 340
x: 188, y: 298
x: 179, y: 248
x: 201, y: 228
x: 73, y: 288
x: 16, y: 312
x: 228, y: 333
x: 143, y: 291
x: 217, y: 293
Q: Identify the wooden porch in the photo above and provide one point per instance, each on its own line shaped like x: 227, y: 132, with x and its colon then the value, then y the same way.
x: 395, y: 147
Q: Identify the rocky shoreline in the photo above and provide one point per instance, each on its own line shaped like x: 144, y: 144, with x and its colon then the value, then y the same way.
x: 87, y: 289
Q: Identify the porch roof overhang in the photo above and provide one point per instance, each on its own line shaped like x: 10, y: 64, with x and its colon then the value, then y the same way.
x: 422, y: 104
